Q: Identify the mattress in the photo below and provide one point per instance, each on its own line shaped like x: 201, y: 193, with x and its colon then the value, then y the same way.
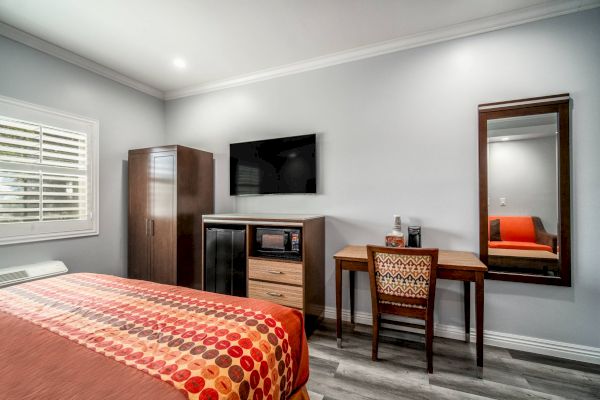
x: 91, y: 336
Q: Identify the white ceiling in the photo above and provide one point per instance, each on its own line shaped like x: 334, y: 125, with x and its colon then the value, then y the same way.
x: 225, y: 39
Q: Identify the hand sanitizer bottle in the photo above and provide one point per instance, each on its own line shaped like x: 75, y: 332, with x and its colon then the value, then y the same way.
x: 396, y: 237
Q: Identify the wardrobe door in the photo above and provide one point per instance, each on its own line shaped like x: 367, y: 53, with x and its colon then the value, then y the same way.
x: 138, y: 225
x: 163, y: 217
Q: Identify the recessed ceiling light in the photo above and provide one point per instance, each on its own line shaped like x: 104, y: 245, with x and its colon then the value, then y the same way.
x: 504, y: 139
x: 179, y: 63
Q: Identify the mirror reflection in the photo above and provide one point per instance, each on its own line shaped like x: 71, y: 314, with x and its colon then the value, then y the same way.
x: 522, y: 194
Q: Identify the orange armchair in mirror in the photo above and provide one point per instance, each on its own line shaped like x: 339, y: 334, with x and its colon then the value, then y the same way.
x: 520, y: 233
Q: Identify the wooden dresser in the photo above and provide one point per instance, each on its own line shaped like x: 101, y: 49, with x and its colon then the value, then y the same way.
x: 296, y: 284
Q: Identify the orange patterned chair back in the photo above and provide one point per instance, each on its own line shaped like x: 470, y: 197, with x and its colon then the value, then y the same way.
x: 403, y: 276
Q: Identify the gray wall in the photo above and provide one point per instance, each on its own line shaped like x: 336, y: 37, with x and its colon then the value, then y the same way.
x: 398, y: 134
x: 524, y: 172
x: 128, y: 119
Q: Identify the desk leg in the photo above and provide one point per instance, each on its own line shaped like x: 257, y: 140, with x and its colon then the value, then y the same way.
x: 479, y: 312
x: 351, y: 273
x: 467, y: 303
x: 338, y: 301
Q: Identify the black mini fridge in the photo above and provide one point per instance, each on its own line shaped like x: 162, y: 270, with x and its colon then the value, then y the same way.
x: 225, y: 261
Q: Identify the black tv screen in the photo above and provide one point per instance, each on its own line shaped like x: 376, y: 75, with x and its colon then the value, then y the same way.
x: 284, y: 165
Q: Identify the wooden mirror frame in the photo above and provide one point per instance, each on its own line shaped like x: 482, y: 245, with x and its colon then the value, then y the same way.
x: 559, y: 104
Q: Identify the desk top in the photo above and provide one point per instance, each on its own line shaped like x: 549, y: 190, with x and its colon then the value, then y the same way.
x: 459, y: 260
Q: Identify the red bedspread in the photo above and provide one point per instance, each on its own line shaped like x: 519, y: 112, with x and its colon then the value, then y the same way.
x: 198, y: 344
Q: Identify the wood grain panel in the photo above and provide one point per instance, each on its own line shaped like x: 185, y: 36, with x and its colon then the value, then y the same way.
x: 194, y: 198
x: 286, y: 295
x: 163, y: 224
x: 275, y: 271
x: 313, y: 248
x: 138, y: 238
x: 348, y: 373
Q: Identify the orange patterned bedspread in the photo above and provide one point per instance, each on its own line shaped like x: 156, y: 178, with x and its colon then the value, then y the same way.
x: 207, y: 346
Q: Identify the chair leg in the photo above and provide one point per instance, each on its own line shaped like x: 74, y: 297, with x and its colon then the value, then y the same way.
x: 429, y: 345
x: 375, y: 346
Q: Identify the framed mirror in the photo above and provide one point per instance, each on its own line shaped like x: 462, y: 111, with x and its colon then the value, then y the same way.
x: 524, y: 190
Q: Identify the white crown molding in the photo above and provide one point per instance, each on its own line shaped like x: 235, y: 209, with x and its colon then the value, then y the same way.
x: 68, y: 56
x: 482, y: 25
x: 529, y: 344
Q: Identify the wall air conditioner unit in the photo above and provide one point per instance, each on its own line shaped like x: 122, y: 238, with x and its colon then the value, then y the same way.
x: 12, y: 275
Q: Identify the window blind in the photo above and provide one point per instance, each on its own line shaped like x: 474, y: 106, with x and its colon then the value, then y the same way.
x: 47, y: 175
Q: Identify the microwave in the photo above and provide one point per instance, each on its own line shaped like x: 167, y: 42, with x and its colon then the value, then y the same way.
x: 278, y: 243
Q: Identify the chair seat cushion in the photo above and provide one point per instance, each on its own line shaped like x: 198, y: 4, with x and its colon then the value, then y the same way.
x: 505, y: 244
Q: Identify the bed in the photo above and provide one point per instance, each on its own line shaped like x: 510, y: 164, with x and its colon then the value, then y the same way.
x: 91, y: 336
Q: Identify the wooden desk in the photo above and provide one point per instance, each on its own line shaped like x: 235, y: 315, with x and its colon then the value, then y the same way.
x: 455, y: 265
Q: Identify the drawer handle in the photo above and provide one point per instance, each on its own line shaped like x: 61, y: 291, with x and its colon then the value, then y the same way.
x: 274, y: 294
x: 275, y: 272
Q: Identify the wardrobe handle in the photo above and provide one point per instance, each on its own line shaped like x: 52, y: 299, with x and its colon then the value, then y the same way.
x: 151, y: 227
x: 274, y: 294
x: 146, y: 221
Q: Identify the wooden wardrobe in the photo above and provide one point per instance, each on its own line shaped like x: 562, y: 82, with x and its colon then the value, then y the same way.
x: 170, y: 188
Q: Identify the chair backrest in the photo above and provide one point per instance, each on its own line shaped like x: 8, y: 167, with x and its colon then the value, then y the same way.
x: 403, y: 275
x: 515, y: 228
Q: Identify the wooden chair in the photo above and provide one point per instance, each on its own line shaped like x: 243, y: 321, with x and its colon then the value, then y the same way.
x: 403, y: 283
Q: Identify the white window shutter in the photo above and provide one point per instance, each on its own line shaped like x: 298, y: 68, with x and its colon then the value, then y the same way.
x: 41, y: 195
x: 48, y: 173
x: 19, y: 196
x: 64, y: 149
x: 64, y: 197
x: 19, y: 142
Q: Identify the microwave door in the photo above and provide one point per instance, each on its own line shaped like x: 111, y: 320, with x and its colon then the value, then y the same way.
x: 273, y: 241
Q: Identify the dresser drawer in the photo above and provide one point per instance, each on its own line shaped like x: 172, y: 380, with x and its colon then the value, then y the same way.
x: 275, y: 271
x: 290, y: 296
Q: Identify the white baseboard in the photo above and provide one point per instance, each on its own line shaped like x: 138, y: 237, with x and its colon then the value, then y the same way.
x: 530, y: 344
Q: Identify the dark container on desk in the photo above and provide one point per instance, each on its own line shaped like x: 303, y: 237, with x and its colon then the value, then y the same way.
x: 414, y: 236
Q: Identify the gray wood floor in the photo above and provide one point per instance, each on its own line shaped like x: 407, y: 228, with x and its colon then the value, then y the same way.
x: 349, y: 373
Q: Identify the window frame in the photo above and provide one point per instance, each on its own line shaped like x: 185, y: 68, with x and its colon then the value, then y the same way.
x: 26, y: 232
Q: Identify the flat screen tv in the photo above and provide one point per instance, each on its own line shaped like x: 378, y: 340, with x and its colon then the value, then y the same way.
x: 283, y: 165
